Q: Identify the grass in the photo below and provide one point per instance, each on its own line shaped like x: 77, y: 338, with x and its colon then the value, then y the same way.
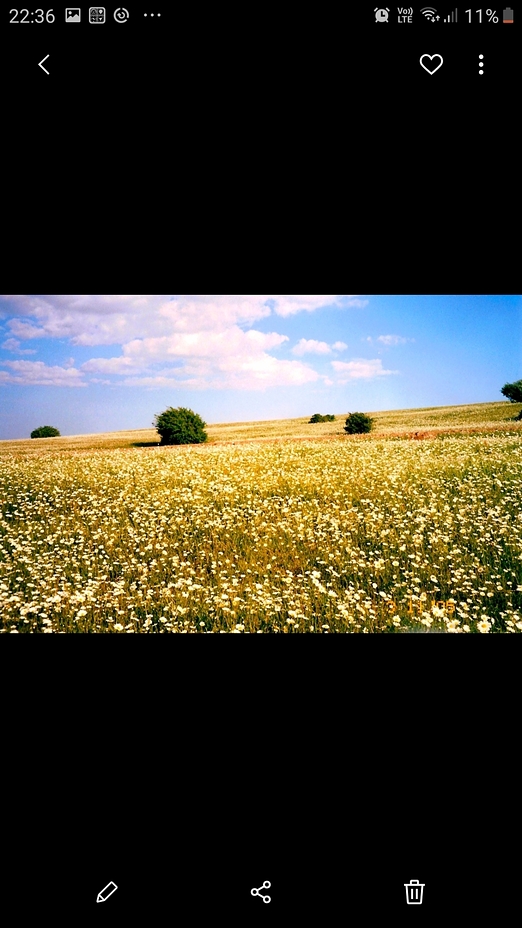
x: 271, y: 527
x: 486, y: 417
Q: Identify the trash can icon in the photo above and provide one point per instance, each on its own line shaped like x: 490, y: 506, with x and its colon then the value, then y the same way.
x: 414, y: 891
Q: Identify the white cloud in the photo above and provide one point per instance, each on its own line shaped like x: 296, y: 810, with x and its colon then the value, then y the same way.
x: 36, y: 373
x: 288, y: 305
x: 359, y: 368
x: 12, y: 344
x: 250, y: 374
x: 394, y: 339
x: 85, y: 320
x: 265, y: 340
x: 311, y: 346
x: 212, y: 340
x: 230, y: 359
x: 108, y: 365
x: 108, y: 319
x: 25, y: 330
x: 203, y: 343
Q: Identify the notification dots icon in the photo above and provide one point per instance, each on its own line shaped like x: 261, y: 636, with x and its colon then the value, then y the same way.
x: 481, y: 64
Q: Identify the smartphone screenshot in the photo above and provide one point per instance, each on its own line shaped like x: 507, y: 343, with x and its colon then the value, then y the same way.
x: 333, y: 480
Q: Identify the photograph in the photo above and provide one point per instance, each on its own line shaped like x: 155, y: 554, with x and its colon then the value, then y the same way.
x: 268, y: 464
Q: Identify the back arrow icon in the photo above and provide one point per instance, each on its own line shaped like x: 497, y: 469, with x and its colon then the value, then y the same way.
x: 40, y: 64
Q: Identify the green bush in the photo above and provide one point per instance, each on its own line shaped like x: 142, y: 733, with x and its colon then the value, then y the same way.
x: 45, y: 431
x: 180, y: 427
x: 513, y: 391
x: 357, y: 423
x: 317, y: 417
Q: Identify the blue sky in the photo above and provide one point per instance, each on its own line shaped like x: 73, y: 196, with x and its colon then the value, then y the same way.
x: 101, y: 363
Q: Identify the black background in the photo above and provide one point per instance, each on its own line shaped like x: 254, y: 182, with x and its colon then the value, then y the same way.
x: 287, y: 155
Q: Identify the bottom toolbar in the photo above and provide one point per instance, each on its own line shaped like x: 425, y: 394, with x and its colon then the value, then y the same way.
x: 202, y: 892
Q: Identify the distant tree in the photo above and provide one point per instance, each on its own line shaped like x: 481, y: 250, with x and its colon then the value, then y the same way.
x: 45, y: 431
x: 513, y: 391
x: 180, y: 427
x: 357, y: 423
x: 317, y: 417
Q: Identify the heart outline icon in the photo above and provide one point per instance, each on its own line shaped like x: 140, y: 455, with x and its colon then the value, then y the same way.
x: 431, y: 57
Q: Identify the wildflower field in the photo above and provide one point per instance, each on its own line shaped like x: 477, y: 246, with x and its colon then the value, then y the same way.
x: 269, y: 527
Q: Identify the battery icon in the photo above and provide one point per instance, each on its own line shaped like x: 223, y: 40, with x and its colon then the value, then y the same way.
x: 507, y: 16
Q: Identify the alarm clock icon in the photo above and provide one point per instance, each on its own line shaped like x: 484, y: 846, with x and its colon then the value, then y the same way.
x: 381, y: 16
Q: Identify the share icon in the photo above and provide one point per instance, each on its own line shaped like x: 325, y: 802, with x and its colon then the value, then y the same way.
x: 255, y: 892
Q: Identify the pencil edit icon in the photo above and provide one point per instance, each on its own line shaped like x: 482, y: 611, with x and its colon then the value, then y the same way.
x: 107, y: 891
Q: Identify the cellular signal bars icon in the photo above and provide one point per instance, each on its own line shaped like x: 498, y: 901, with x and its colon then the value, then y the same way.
x: 452, y: 18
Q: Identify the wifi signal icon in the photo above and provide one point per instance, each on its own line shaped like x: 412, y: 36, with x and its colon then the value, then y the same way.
x: 430, y: 13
